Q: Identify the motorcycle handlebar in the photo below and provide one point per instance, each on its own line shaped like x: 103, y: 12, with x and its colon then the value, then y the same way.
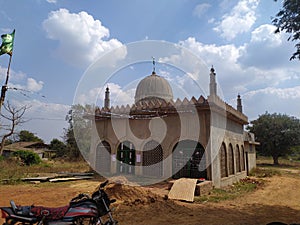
x: 102, y: 185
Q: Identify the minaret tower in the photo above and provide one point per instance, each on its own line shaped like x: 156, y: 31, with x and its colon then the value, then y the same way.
x: 212, y: 84
x: 106, y: 99
x: 239, y: 106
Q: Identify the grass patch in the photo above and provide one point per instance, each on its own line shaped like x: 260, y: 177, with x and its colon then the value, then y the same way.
x: 231, y: 192
x: 262, y: 172
x: 11, y: 172
x: 284, y: 162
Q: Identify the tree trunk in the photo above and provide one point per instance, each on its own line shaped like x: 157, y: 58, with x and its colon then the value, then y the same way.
x: 275, y: 159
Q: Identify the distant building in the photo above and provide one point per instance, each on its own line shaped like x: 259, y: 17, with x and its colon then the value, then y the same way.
x: 122, y: 142
x: 37, y: 147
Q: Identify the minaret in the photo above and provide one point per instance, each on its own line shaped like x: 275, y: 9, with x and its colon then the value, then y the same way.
x: 106, y: 99
x: 212, y: 84
x: 239, y: 106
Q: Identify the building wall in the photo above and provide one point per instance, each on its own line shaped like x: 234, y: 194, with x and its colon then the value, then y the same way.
x: 168, y: 131
x: 250, y: 156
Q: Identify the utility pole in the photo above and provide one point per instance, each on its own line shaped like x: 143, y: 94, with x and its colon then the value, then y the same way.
x: 6, y: 48
x: 4, y: 87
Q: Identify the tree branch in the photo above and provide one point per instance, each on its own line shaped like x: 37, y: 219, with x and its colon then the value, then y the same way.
x: 14, y: 116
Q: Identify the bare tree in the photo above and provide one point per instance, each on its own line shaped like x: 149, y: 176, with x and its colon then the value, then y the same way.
x: 14, y: 116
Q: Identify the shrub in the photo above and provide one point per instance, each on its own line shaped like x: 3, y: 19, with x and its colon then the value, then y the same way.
x: 28, y: 157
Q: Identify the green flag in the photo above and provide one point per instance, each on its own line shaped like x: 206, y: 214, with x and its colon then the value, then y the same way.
x: 7, y: 43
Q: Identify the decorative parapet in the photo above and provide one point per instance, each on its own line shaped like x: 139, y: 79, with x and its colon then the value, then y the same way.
x: 158, y: 107
x: 230, y: 111
x: 150, y: 106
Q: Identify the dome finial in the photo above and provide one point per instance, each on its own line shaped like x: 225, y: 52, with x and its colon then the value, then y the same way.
x: 153, y: 62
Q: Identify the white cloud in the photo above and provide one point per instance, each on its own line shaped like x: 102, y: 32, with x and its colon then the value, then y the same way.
x: 265, y: 33
x: 33, y: 85
x: 212, y: 53
x: 224, y: 58
x: 274, y: 88
x: 279, y: 100
x: 46, y: 120
x: 43, y: 115
x: 51, y: 1
x: 121, y: 96
x: 266, y: 49
x: 20, y: 80
x: 200, y: 9
x: 118, y: 95
x: 28, y: 84
x: 278, y: 93
x: 82, y: 39
x: 13, y: 75
x: 239, y: 20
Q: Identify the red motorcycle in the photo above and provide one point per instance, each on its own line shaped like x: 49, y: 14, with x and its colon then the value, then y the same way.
x: 83, y: 209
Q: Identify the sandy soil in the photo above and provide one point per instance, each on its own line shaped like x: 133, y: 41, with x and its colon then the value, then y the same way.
x: 277, y: 200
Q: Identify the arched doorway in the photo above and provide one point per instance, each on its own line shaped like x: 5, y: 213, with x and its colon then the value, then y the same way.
x: 189, y: 160
x: 103, y: 160
x: 126, y: 158
x: 223, y: 159
x: 153, y: 155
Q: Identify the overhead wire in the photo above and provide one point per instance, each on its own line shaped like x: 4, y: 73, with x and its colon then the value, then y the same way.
x: 19, y: 94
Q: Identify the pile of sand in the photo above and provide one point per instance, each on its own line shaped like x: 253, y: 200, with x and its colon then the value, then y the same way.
x: 128, y: 193
x: 122, y: 180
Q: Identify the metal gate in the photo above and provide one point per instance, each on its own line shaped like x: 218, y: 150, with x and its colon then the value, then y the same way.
x: 126, y: 158
x: 189, y: 160
x: 153, y: 155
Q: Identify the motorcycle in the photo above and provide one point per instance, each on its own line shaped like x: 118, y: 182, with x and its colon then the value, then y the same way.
x: 83, y: 209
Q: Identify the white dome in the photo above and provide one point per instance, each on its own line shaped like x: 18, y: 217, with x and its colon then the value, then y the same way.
x: 153, y: 86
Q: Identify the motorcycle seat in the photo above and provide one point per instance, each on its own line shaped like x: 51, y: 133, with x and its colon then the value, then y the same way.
x: 49, y: 213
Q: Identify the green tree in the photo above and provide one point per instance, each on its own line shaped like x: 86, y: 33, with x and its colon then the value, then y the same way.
x: 277, y: 133
x: 27, y: 136
x: 58, y: 146
x: 28, y: 157
x: 288, y: 20
x: 78, y: 135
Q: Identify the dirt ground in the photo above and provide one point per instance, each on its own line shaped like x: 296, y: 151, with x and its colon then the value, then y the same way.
x: 277, y: 200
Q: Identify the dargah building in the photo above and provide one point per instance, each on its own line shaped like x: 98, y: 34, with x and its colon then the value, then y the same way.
x: 160, y: 137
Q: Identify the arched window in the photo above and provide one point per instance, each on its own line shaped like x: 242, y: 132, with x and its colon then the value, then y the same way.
x: 223, y: 159
x: 243, y: 159
x: 238, y: 159
x: 230, y: 160
x: 103, y: 159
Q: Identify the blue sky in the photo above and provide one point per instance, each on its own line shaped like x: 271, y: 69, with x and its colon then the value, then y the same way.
x: 57, y: 40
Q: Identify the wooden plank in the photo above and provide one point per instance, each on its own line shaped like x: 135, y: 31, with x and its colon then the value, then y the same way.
x: 70, y: 179
x: 41, y: 179
x: 75, y: 174
x: 183, y: 189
